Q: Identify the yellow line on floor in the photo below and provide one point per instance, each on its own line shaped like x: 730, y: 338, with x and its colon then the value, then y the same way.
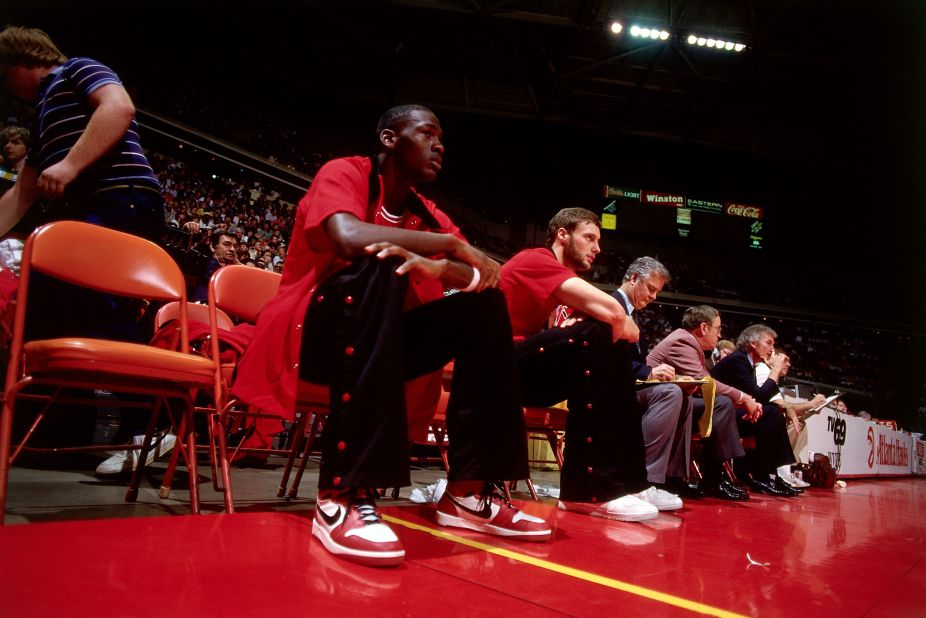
x: 594, y: 578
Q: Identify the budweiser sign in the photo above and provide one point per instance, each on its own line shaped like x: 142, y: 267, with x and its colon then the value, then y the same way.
x: 623, y: 192
x: 743, y: 210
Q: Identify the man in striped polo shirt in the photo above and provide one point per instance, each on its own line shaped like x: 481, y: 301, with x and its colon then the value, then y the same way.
x: 86, y: 159
x: 87, y: 164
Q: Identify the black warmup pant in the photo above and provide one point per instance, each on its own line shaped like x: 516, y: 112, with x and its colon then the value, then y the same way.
x: 773, y: 448
x: 359, y: 341
x: 605, y: 457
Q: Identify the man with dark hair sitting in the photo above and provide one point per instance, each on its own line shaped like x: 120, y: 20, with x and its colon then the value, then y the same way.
x: 362, y: 308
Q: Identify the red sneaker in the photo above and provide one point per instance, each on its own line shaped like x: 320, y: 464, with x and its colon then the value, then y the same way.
x: 349, y: 526
x: 491, y: 514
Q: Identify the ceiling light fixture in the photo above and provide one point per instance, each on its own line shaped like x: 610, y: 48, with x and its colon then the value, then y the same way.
x: 723, y: 44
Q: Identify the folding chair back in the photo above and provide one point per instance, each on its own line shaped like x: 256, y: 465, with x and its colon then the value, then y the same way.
x: 98, y: 258
x: 195, y: 313
x: 242, y: 291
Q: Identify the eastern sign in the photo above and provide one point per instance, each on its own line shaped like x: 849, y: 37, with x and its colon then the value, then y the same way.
x: 704, y: 205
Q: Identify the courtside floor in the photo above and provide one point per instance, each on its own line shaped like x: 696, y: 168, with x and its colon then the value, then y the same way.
x: 857, y: 551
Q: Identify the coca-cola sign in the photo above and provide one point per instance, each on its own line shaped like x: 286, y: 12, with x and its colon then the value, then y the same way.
x: 743, y: 210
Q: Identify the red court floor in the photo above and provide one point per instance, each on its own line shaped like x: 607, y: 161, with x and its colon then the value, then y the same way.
x: 858, y: 551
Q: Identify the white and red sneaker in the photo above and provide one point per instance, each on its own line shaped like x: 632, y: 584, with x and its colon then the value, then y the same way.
x: 491, y: 514
x: 348, y: 525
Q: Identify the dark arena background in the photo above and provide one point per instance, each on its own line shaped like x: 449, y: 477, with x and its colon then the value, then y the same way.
x: 784, y: 182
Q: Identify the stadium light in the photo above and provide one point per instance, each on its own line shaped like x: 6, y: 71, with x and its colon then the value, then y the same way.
x: 722, y: 44
x: 656, y: 34
x: 616, y: 27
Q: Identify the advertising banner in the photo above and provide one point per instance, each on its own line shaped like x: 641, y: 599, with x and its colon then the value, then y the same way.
x: 621, y: 192
x: 743, y: 210
x: 662, y: 199
x: 704, y: 205
x: 856, y: 447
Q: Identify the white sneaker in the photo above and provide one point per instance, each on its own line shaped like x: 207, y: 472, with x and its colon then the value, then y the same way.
x: 793, y: 481
x: 124, y: 461
x: 660, y: 498
x: 626, y: 508
x: 788, y: 477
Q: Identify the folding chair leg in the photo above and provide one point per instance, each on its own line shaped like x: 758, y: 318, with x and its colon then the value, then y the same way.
x: 506, y: 489
x: 296, y: 433
x: 317, y: 424
x: 217, y: 428
x: 214, y: 428
x: 6, y: 429
x: 697, y: 470
x: 131, y: 495
x: 187, y: 437
x: 556, y: 446
x: 191, y: 460
x: 728, y: 467
x: 530, y: 488
x: 439, y: 435
x: 168, y: 479
x: 38, y: 419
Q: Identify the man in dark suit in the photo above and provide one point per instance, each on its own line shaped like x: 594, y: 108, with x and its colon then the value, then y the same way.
x: 664, y: 407
x: 756, y: 344
x: 684, y: 349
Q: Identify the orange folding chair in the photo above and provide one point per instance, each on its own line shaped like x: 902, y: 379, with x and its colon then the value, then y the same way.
x: 241, y: 292
x: 550, y: 423
x: 111, y: 262
x: 195, y: 313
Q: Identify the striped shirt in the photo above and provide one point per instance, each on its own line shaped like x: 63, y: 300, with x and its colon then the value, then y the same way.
x: 63, y: 113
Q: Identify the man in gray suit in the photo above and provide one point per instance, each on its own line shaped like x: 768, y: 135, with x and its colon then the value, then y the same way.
x: 665, y: 408
x: 684, y: 349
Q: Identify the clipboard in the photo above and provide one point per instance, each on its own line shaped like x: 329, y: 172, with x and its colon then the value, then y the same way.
x: 698, y: 382
x: 836, y: 395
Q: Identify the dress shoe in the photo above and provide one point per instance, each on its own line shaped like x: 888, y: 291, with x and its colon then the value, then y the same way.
x: 786, y: 487
x: 723, y: 491
x: 768, y: 488
x: 733, y: 487
x: 682, y: 489
x: 724, y: 477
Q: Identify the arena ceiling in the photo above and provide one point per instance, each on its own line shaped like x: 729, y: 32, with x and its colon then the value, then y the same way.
x: 815, y: 78
x: 820, y: 117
